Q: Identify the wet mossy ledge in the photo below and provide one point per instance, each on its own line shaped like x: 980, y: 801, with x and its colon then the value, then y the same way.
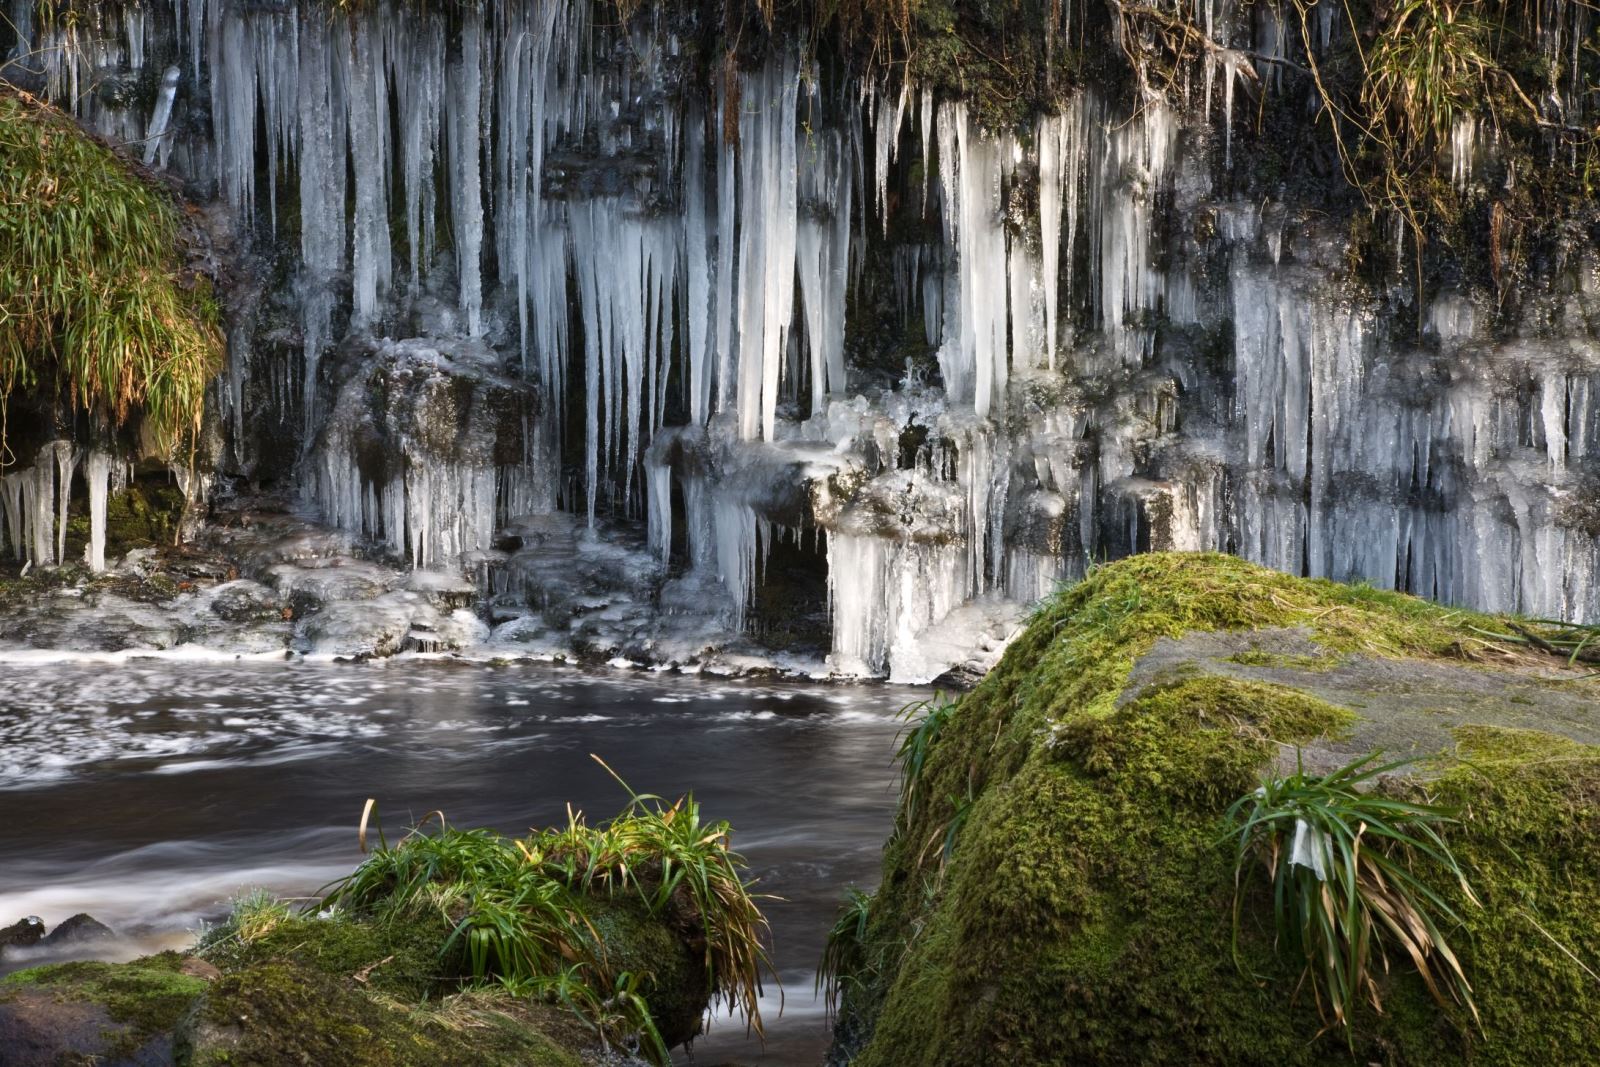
x: 1060, y: 884
x: 573, y: 946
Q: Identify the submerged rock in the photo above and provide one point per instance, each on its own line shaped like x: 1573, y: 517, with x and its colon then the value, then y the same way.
x: 1060, y: 885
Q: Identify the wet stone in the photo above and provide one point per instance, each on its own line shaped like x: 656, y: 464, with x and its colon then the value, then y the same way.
x: 81, y: 928
x: 22, y: 933
x: 195, y: 967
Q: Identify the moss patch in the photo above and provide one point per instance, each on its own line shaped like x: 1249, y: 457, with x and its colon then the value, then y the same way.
x: 144, y: 515
x: 1084, y: 912
x: 275, y: 1013
x: 146, y: 998
x: 399, y: 959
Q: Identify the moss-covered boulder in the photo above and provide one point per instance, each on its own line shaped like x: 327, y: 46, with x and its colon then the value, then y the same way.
x: 1060, y: 889
x: 271, y: 987
x: 307, y: 991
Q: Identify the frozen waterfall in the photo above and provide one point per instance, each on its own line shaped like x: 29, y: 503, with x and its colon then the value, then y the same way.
x: 530, y: 266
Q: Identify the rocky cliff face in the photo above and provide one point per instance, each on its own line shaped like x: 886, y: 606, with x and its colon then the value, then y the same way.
x: 675, y: 338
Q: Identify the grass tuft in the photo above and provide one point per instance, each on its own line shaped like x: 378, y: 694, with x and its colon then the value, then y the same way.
x: 96, y: 310
x: 519, y: 908
x: 1344, y: 868
x: 845, y: 955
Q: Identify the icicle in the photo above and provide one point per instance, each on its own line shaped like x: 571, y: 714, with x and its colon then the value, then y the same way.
x: 767, y: 192
x: 741, y: 537
x: 16, y: 517
x: 728, y: 339
x: 928, y: 135
x: 1049, y: 138
x: 155, y: 137
x: 320, y: 130
x: 883, y: 595
x: 66, y: 462
x: 973, y: 358
x: 1231, y: 75
x: 466, y: 196
x: 1462, y: 136
x: 1137, y: 157
x: 658, y: 481
x: 624, y: 266
x: 368, y: 104
x: 822, y: 258
x: 39, y: 497
x: 697, y: 272
x: 97, y: 473
x: 886, y: 128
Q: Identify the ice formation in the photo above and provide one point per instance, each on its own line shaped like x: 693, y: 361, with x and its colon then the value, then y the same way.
x: 560, y: 316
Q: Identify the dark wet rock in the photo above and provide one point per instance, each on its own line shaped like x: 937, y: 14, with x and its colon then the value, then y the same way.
x: 245, y: 601
x: 81, y: 928
x: 39, y: 1029
x: 22, y: 933
x: 959, y: 679
x: 95, y: 1013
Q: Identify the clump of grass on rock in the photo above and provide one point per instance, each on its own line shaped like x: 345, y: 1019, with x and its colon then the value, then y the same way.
x: 633, y: 924
x: 448, y: 947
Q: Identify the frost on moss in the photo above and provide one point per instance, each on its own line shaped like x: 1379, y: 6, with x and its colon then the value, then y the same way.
x: 1084, y: 912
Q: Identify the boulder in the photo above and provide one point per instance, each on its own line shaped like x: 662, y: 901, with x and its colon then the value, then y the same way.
x: 77, y: 930
x: 22, y: 933
x: 1060, y: 886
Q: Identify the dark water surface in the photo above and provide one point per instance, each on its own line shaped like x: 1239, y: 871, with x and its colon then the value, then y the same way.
x: 149, y: 792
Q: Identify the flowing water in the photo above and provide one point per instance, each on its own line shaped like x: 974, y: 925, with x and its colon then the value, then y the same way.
x: 150, y: 792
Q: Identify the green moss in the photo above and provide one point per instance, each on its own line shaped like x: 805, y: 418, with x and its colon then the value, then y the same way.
x: 315, y: 991
x: 402, y: 959
x: 1256, y: 657
x: 639, y: 943
x: 147, y: 514
x: 1062, y: 932
x: 1084, y: 914
x: 275, y: 1013
x: 1076, y: 655
x: 146, y: 997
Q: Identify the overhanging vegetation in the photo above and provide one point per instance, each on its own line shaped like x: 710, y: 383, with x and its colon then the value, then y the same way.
x: 97, y: 311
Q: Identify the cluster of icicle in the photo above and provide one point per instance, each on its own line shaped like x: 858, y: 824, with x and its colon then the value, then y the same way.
x: 34, y: 504
x: 615, y: 230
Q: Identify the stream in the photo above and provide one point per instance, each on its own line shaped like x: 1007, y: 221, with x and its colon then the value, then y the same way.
x: 150, y: 792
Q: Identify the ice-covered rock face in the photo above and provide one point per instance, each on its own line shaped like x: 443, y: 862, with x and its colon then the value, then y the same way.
x: 428, y: 448
x: 571, y: 316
